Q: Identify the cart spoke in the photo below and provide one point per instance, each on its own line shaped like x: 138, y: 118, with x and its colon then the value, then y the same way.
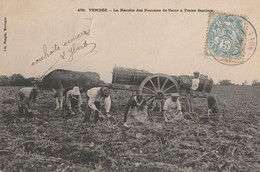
x: 149, y: 89
x: 154, y: 104
x: 150, y: 99
x: 160, y: 105
x: 151, y: 95
x: 150, y: 103
x: 163, y: 101
x: 158, y: 80
x: 153, y: 84
x: 169, y: 88
x: 164, y: 83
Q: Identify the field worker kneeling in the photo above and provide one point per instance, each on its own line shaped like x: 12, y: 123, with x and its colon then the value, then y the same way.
x: 25, y: 97
x: 136, y: 109
x: 172, y: 109
x: 74, y: 100
x: 95, y: 97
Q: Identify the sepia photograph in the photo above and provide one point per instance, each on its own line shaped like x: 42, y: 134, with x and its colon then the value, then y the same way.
x: 129, y: 85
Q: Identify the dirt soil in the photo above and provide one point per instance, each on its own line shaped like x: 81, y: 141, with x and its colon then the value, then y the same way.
x: 50, y: 141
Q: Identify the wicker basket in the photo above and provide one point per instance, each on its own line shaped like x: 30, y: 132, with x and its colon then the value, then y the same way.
x: 213, y: 117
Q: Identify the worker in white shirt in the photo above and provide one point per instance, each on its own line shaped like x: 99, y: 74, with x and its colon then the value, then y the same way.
x: 95, y: 97
x: 189, y: 94
x: 172, y: 109
x: 74, y: 100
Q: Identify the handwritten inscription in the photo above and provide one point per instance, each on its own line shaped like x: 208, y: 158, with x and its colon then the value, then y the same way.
x: 71, y: 46
x: 46, y: 53
x: 83, y: 33
x: 74, y: 49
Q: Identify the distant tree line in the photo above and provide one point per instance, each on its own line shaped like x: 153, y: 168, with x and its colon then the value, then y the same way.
x: 16, y: 80
x: 226, y: 82
x: 255, y: 83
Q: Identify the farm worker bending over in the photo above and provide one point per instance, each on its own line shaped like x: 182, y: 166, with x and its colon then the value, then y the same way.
x: 74, y: 100
x: 212, y: 104
x: 25, y: 97
x: 172, y: 109
x: 136, y: 108
x: 95, y: 97
x: 194, y: 85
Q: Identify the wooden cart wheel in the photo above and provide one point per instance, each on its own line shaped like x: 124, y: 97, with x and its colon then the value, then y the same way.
x: 157, y: 88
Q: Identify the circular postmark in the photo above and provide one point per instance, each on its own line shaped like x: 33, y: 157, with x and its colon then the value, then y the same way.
x: 231, y: 39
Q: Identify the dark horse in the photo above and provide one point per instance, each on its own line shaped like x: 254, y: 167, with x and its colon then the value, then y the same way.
x: 59, y: 80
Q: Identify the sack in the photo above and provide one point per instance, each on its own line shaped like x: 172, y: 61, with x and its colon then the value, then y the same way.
x: 205, y: 84
x: 185, y: 81
x: 137, y: 115
x: 205, y: 77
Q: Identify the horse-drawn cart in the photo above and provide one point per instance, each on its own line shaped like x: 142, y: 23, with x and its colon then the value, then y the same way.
x: 156, y: 87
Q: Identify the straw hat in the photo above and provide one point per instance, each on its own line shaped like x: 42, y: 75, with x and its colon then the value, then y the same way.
x: 175, y: 95
x: 75, y: 91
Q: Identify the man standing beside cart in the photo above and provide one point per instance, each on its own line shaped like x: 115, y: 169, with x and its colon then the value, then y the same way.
x: 95, y: 97
x: 189, y: 95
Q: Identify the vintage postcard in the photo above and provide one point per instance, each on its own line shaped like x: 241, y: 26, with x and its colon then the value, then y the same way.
x: 129, y: 85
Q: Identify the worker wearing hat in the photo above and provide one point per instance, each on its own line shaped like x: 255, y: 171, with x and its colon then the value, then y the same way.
x: 74, y: 100
x: 172, y: 108
x: 95, y: 97
x: 189, y: 94
x: 195, y: 80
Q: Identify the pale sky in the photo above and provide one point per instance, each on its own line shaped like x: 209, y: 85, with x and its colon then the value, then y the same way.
x: 172, y: 42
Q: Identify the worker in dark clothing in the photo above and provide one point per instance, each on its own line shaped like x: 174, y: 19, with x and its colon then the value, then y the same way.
x: 212, y: 104
x: 136, y: 102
